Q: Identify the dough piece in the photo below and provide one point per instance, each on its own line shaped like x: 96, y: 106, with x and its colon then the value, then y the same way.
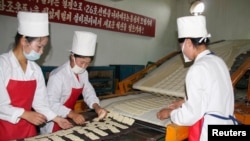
x: 113, y: 129
x: 120, y: 118
x: 92, y: 136
x: 82, y: 131
x: 103, y: 127
x: 110, y: 114
x: 67, y: 131
x: 128, y: 121
x: 95, y: 119
x: 98, y: 131
x: 73, y: 137
x: 119, y: 125
x: 131, y: 121
x: 125, y: 120
x: 76, y: 128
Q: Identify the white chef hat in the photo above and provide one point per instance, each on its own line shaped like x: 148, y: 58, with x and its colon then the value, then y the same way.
x: 33, y: 24
x: 193, y: 27
x: 84, y: 43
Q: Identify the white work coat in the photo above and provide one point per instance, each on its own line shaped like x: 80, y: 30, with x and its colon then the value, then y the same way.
x: 209, y: 90
x: 11, y: 69
x: 59, y: 87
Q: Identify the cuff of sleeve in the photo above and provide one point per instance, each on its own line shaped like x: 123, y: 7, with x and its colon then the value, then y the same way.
x: 50, y: 116
x: 16, y: 116
x: 65, y: 112
x: 172, y: 114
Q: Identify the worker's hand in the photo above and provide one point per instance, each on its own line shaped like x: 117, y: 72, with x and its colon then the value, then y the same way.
x: 77, y: 118
x: 164, y: 113
x: 62, y: 122
x: 34, y: 117
x: 102, y: 113
x: 176, y: 104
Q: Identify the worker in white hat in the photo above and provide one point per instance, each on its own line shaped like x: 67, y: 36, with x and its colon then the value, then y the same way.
x: 70, y: 81
x: 210, y: 96
x: 23, y: 103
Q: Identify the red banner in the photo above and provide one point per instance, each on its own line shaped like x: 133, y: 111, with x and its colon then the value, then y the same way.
x: 83, y: 13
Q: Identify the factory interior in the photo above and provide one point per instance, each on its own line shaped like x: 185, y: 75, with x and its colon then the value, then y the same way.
x: 138, y: 70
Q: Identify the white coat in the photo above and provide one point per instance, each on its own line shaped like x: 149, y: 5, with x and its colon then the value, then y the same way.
x: 59, y: 86
x: 11, y: 69
x: 209, y: 90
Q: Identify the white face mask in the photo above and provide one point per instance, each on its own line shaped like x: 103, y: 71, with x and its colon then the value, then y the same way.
x: 76, y: 69
x: 32, y: 56
x: 186, y: 59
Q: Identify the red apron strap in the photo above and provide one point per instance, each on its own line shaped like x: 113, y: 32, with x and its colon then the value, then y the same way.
x: 70, y: 103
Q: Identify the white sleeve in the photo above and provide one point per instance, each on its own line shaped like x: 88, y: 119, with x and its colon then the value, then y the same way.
x: 192, y: 109
x: 55, y: 90
x: 89, y: 93
x: 40, y: 102
x: 7, y: 111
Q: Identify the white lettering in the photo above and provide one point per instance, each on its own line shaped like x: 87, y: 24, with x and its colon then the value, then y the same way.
x: 216, y: 132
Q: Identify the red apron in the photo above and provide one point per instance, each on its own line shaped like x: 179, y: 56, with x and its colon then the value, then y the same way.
x: 21, y: 95
x: 70, y: 103
x: 195, y: 130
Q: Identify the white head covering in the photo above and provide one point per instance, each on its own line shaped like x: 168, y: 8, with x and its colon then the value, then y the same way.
x: 84, y: 43
x: 193, y: 27
x: 33, y: 24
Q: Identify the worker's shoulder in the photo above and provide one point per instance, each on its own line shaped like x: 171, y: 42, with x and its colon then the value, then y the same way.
x: 62, y: 70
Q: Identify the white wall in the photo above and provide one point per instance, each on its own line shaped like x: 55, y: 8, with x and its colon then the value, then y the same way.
x: 226, y: 19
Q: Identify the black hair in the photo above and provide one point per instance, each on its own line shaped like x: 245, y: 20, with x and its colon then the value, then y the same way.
x: 195, y: 41
x: 19, y: 36
x: 80, y: 56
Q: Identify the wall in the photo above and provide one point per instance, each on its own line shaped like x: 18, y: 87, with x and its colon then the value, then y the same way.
x: 113, y: 47
x: 226, y: 19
